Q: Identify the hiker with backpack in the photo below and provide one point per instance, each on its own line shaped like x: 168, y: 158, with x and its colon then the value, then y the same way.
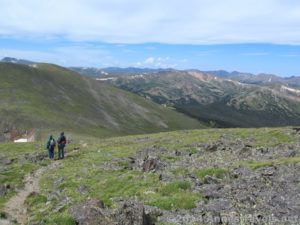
x: 51, y: 146
x: 61, y: 145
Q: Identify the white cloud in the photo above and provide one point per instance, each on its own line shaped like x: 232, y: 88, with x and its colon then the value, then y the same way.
x: 159, y: 62
x: 168, y: 21
x: 149, y: 61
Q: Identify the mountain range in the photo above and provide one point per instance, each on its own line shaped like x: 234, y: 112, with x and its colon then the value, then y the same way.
x: 243, y: 77
x: 221, y: 102
x: 215, y: 98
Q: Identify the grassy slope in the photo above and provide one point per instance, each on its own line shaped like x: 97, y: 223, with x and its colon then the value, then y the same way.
x: 86, y: 167
x: 52, y: 97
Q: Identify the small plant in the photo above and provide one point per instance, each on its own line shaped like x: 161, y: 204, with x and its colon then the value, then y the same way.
x: 35, y: 198
x: 175, y: 187
x: 2, y: 215
x: 216, y: 172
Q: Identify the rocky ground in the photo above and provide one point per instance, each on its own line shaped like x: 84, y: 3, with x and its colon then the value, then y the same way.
x: 263, y: 190
x: 234, y: 176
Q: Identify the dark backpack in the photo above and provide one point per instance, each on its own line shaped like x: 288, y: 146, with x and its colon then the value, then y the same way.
x: 62, y: 140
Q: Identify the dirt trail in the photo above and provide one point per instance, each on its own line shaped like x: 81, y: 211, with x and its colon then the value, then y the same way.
x: 15, y: 208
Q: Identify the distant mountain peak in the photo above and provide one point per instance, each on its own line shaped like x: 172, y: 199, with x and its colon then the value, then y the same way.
x: 18, y: 61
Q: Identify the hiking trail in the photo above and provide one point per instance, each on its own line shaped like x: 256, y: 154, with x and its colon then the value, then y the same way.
x: 15, y: 208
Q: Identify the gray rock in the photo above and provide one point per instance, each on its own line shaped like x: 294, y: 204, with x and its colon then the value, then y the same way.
x: 218, y: 205
x: 152, y: 213
x: 82, y: 189
x: 212, y: 147
x: 131, y: 213
x: 241, y: 171
x: 91, y: 212
x: 268, y: 171
x: 63, y: 201
x: 150, y: 152
x: 151, y: 164
x: 290, y: 153
x: 177, y: 153
x: 211, y: 180
x: 36, y: 157
x: 245, y: 152
x: 5, y: 161
x: 212, y: 191
x: 56, y: 183
x: 4, y: 189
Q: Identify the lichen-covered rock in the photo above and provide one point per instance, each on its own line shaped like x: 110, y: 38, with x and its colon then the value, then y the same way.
x: 91, y: 212
x: 151, y: 164
x: 131, y: 213
x: 36, y: 157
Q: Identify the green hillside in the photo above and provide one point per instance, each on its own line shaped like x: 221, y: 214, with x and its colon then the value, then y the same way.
x: 49, y: 97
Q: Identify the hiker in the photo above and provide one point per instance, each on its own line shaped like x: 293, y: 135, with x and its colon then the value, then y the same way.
x: 61, y: 141
x: 50, y: 146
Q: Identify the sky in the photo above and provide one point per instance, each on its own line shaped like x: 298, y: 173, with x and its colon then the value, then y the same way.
x: 234, y: 35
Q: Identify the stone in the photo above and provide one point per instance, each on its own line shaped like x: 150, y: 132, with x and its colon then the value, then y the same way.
x: 177, y: 153
x: 36, y: 157
x: 82, y: 189
x: 263, y: 150
x: 290, y: 153
x: 131, y: 213
x: 211, y: 180
x: 211, y: 147
x: 57, y: 182
x: 150, y: 164
x: 238, y: 172
x: 268, y: 171
x: 91, y: 212
x: 5, y: 161
x: 212, y: 191
x: 4, y: 189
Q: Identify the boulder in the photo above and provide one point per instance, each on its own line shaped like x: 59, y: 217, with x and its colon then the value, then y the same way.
x: 212, y: 147
x: 91, y: 212
x: 131, y: 213
x: 211, y: 180
x: 263, y: 150
x: 150, y: 164
x: 212, y: 191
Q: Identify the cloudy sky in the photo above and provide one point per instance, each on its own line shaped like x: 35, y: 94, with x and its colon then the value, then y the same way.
x: 245, y: 35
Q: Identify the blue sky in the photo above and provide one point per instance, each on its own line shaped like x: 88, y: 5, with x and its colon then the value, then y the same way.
x: 249, y: 35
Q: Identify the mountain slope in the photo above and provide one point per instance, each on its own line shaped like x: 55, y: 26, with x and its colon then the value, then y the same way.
x: 52, y: 97
x: 226, y: 102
